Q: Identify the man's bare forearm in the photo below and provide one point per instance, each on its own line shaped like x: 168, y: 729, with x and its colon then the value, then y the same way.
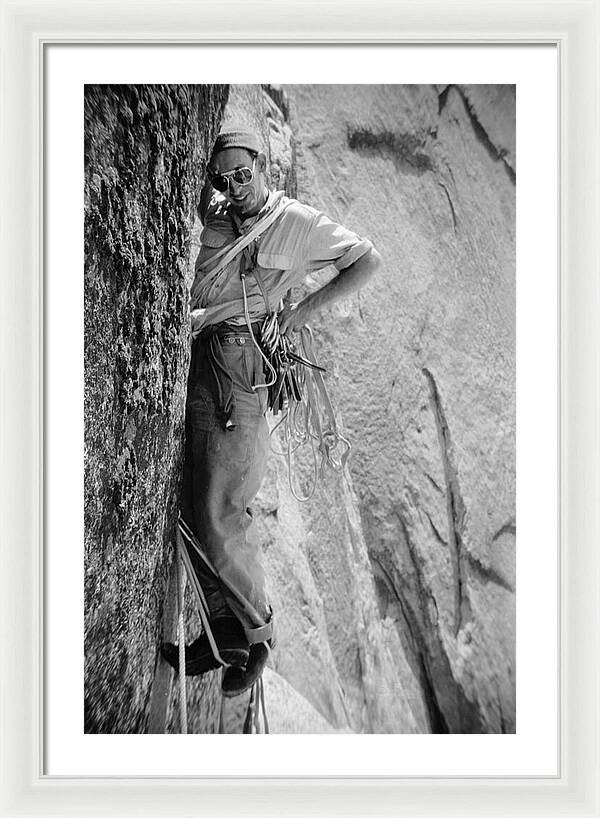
x: 347, y: 281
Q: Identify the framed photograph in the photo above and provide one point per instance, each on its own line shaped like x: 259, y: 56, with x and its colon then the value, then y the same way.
x: 434, y: 596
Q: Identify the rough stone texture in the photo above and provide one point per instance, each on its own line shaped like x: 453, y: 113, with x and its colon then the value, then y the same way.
x: 394, y: 587
x: 145, y: 153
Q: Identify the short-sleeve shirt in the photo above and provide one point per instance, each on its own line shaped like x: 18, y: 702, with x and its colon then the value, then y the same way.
x: 302, y: 240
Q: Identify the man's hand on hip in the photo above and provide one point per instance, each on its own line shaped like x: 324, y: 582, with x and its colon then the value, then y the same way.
x: 292, y: 317
x: 346, y: 282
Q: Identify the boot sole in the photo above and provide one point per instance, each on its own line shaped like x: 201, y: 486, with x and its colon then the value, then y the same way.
x: 203, y: 664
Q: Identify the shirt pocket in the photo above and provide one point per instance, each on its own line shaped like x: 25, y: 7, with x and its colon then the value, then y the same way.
x: 274, y: 261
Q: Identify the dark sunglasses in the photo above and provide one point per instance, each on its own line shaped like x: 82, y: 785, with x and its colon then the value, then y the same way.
x: 241, y: 176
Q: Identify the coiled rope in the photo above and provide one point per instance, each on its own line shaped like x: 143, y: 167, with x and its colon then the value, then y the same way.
x: 296, y: 387
x: 308, y: 418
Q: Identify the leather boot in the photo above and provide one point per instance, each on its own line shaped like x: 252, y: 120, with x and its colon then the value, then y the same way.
x: 231, y: 642
x: 236, y: 680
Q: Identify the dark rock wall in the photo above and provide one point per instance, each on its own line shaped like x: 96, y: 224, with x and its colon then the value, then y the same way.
x: 145, y: 153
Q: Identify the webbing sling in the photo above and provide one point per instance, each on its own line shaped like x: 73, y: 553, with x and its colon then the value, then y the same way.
x: 202, y: 604
x: 263, y: 630
x: 183, y: 561
x: 202, y: 285
x: 272, y: 372
x: 256, y: 705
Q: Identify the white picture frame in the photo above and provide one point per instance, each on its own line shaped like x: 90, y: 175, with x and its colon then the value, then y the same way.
x: 26, y: 29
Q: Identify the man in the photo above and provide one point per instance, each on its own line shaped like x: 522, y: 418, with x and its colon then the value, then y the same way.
x: 255, y: 246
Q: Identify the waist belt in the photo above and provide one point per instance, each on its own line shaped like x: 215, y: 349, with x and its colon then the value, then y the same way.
x: 225, y: 329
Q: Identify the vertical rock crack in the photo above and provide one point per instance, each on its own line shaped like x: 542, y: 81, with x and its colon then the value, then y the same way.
x: 454, y: 506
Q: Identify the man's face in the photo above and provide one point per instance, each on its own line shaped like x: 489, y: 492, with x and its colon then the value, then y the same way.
x: 248, y: 199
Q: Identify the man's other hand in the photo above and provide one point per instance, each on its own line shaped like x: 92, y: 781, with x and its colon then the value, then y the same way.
x: 346, y: 282
x: 197, y: 321
x: 292, y: 317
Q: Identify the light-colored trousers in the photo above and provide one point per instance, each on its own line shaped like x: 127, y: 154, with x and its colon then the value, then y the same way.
x: 223, y: 471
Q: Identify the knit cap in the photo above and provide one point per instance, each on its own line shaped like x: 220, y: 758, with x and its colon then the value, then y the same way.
x: 236, y: 139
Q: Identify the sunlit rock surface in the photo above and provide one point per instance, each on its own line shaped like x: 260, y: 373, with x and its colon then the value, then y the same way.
x: 395, y: 585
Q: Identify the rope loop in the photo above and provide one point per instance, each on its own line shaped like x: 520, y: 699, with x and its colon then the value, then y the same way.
x: 299, y: 394
x: 257, y: 711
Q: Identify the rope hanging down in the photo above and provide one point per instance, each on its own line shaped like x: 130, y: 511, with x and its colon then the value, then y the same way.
x: 181, y: 582
x: 256, y: 710
x: 300, y: 395
x: 185, y: 570
x: 296, y: 386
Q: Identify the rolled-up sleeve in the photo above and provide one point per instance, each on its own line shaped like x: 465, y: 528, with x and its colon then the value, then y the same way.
x: 331, y: 243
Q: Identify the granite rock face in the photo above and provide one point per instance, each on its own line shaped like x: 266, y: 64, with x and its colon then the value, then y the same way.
x: 394, y: 585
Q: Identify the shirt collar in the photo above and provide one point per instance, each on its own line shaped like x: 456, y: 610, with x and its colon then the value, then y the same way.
x: 243, y: 225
